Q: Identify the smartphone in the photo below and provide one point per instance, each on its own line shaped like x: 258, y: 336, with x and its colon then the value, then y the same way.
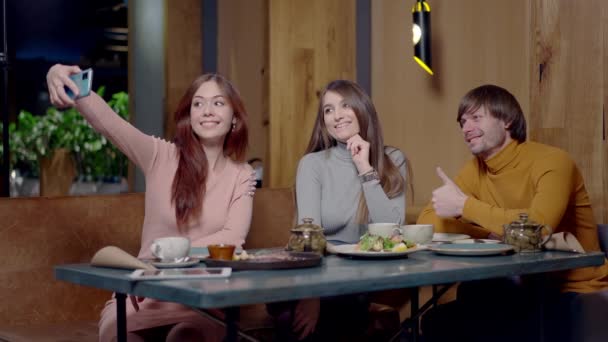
x: 181, y: 273
x: 84, y: 81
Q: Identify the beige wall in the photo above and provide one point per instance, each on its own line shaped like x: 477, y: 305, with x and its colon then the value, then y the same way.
x: 473, y: 43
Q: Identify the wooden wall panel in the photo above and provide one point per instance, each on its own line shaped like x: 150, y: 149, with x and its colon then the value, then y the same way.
x: 473, y: 43
x: 603, y: 204
x: 184, y: 53
x: 310, y: 43
x: 567, y: 99
x: 242, y: 57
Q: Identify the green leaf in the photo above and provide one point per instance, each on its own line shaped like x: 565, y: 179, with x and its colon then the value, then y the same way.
x: 32, y: 136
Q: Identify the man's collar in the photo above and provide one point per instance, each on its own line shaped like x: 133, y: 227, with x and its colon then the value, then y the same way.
x: 503, y: 158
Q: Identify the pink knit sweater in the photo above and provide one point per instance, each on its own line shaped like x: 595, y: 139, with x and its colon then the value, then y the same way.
x: 226, y: 213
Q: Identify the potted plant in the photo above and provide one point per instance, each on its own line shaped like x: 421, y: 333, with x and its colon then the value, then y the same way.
x: 61, y: 144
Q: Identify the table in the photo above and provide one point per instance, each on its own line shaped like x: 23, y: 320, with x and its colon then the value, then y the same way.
x: 336, y: 276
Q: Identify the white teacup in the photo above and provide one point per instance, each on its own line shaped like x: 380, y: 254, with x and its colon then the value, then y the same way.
x: 418, y: 233
x: 170, y: 248
x: 383, y: 229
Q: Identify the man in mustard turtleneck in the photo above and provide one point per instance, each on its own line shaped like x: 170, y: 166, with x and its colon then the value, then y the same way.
x: 509, y: 176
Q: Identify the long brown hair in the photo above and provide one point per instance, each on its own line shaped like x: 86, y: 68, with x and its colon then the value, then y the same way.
x: 188, y: 187
x: 371, y: 131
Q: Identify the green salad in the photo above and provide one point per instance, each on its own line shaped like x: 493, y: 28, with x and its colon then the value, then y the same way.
x: 376, y: 243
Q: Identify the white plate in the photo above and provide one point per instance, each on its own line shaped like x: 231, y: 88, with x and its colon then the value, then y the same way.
x: 471, y: 248
x: 191, y: 262
x: 449, y: 237
x: 350, y: 250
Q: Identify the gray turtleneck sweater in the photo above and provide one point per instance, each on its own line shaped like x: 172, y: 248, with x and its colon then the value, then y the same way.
x: 328, y: 189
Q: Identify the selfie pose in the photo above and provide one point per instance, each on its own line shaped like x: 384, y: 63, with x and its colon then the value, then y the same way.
x: 346, y: 179
x: 196, y: 186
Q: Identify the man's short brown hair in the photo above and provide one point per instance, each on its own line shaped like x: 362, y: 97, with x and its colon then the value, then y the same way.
x: 500, y: 103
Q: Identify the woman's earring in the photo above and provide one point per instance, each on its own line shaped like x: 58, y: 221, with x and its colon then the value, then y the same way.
x: 233, y: 126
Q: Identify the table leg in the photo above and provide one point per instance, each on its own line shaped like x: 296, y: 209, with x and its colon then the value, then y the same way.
x: 414, y: 313
x: 232, y: 317
x: 121, y: 317
x: 410, y: 328
x: 540, y: 295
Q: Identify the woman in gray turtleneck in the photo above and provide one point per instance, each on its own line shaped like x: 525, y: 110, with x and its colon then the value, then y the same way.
x: 346, y: 179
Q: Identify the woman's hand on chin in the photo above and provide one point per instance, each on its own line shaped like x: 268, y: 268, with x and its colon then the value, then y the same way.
x: 359, y: 150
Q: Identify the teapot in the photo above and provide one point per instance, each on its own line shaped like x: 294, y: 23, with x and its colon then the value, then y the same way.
x: 525, y: 235
x: 307, y: 237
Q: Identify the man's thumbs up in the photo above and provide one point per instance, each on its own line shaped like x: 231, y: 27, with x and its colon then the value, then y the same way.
x: 446, y: 180
x: 448, y: 200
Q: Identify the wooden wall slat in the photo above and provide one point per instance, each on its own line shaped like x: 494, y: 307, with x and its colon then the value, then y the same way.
x: 184, y: 53
x: 242, y: 58
x: 603, y: 218
x: 567, y: 101
x: 310, y: 43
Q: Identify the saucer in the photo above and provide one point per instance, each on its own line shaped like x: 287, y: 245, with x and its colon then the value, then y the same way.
x: 449, y: 237
x: 472, y: 249
x: 477, y: 241
x: 190, y: 262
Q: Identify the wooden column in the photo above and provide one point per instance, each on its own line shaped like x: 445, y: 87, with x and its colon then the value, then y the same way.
x: 311, y: 43
x: 242, y: 58
x: 184, y: 53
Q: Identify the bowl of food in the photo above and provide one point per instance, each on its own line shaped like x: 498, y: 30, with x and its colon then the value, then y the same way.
x: 221, y: 251
x: 418, y: 233
x: 383, y: 229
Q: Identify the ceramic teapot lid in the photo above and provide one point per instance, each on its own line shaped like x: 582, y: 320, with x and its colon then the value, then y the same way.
x: 524, y: 223
x: 307, y: 225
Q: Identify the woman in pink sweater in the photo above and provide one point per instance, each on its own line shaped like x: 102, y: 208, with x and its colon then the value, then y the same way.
x: 196, y: 186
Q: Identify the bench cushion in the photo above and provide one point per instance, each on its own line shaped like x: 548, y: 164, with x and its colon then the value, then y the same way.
x: 38, y: 233
x: 64, y: 332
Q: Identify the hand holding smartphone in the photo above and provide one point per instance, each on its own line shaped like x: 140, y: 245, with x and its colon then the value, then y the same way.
x: 84, y: 81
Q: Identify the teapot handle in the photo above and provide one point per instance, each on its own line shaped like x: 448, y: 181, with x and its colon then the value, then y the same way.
x: 548, y: 236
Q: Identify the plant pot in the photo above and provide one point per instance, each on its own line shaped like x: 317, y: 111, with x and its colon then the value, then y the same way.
x: 57, y: 173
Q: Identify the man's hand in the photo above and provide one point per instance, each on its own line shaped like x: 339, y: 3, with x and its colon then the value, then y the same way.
x: 448, y: 200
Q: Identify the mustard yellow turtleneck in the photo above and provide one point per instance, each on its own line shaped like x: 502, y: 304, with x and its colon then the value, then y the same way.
x: 531, y: 178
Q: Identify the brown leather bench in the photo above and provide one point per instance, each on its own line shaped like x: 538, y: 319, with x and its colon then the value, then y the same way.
x: 38, y: 233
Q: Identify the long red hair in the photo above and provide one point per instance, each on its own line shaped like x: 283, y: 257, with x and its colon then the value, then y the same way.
x: 190, y: 178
